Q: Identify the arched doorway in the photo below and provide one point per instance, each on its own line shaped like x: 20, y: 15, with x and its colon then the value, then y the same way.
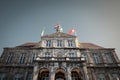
x: 60, y: 74
x: 43, y: 74
x: 76, y: 74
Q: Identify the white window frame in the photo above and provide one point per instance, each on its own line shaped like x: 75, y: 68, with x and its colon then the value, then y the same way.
x: 70, y: 43
x: 59, y: 43
x: 48, y: 43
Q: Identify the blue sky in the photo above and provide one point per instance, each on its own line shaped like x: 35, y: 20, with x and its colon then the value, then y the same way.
x: 95, y: 21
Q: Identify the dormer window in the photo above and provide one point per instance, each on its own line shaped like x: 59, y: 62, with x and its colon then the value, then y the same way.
x: 59, y: 43
x: 70, y: 43
x: 48, y: 43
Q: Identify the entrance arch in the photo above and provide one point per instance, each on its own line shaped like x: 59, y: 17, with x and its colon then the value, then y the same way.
x: 76, y: 74
x: 60, y: 74
x: 43, y: 74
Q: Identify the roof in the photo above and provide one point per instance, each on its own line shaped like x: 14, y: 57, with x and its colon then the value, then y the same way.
x: 59, y: 35
x: 29, y: 44
x: 90, y: 45
x: 82, y: 45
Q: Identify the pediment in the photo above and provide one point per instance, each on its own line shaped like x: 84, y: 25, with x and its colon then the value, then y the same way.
x: 59, y: 35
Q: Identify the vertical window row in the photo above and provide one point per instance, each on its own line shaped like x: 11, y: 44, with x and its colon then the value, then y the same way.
x: 59, y: 43
x: 22, y: 59
x: 33, y: 57
x: 96, y: 58
x: 70, y: 43
x: 9, y: 58
x: 108, y: 58
x: 48, y: 43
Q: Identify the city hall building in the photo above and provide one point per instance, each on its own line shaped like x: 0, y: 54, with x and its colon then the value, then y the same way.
x: 59, y: 56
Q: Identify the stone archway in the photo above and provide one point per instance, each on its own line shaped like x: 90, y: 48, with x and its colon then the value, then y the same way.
x: 60, y: 74
x: 76, y: 74
x: 43, y: 74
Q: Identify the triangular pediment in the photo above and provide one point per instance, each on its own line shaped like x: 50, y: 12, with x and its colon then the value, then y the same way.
x: 59, y: 35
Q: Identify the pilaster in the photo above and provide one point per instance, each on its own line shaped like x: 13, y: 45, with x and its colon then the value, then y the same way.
x: 52, y: 74
x: 36, y: 71
x: 85, y: 71
x: 68, y: 74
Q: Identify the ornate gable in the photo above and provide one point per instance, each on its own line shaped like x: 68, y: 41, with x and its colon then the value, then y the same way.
x: 59, y: 35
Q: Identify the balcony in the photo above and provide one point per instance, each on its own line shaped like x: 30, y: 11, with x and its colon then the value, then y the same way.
x: 59, y: 59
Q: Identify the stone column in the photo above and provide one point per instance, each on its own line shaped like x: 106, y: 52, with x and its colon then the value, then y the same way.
x: 52, y: 74
x: 85, y: 71
x: 36, y: 71
x: 68, y: 74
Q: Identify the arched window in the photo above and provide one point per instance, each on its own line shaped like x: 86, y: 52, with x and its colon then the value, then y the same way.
x: 44, y: 75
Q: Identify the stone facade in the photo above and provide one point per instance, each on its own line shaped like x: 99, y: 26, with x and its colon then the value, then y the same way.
x: 59, y: 56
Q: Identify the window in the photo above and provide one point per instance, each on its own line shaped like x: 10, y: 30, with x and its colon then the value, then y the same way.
x: 70, y: 43
x: 22, y: 59
x: 101, y: 77
x: 109, y: 58
x: 18, y: 77
x: 48, y: 43
x: 9, y: 58
x: 29, y: 76
x: 75, y: 76
x: 3, y: 76
x: 59, y: 43
x: 72, y: 56
x: 44, y: 75
x: 96, y: 58
x: 33, y: 57
x: 115, y: 76
x: 47, y: 55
